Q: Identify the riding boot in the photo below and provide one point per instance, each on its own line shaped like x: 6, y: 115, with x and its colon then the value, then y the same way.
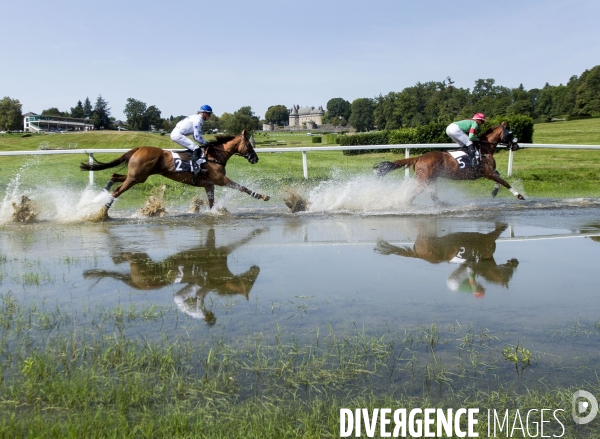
x: 472, y: 151
x: 196, y: 156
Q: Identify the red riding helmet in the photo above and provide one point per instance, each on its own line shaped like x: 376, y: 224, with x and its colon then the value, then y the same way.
x: 479, y: 116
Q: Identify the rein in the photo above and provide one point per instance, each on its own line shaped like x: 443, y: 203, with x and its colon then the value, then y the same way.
x: 219, y: 162
x: 504, y: 140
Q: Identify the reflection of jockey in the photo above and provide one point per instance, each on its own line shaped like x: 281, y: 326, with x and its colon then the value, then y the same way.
x: 463, y: 280
x: 193, y: 125
x: 190, y: 302
x: 464, y: 132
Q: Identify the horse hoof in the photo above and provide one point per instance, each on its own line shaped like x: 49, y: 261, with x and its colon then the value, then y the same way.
x: 521, y: 197
x: 266, y: 198
x: 494, y: 192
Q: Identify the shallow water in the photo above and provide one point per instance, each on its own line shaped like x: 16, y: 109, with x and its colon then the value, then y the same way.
x: 498, y: 267
x: 359, y: 259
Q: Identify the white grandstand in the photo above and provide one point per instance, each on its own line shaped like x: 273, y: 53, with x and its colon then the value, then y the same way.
x: 35, y: 123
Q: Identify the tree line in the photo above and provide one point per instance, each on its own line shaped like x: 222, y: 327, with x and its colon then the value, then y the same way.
x: 443, y: 102
x: 421, y: 104
x: 140, y: 117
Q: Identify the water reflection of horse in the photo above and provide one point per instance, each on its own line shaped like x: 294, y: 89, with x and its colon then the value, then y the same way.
x: 202, y: 269
x: 473, y: 251
x: 145, y: 161
x: 435, y: 164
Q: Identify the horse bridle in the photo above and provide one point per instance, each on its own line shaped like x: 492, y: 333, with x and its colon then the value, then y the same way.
x: 247, y: 156
x: 507, y: 139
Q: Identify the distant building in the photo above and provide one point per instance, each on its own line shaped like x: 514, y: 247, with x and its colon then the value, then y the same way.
x: 306, y: 117
x: 35, y: 123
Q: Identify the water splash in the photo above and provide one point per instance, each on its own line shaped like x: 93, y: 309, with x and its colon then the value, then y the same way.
x: 155, y: 205
x: 363, y: 194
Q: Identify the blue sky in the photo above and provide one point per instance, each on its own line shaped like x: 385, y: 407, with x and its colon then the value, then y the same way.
x: 232, y: 53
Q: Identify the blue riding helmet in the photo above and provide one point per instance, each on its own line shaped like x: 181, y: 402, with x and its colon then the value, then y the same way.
x: 205, y: 109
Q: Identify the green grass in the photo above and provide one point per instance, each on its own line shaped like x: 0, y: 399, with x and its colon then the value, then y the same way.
x: 94, y: 375
x: 536, y: 173
x: 576, y: 132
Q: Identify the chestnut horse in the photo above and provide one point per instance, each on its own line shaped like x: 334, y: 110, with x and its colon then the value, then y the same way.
x: 472, y: 251
x: 435, y: 164
x: 198, y: 271
x: 145, y: 161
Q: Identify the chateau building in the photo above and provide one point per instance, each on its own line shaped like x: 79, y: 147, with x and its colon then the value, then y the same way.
x: 306, y: 117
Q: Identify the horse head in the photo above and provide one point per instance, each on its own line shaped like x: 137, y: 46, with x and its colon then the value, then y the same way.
x: 500, y: 134
x: 246, y: 148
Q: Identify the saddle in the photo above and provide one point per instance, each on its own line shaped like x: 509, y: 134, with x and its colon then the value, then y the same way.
x: 463, y: 159
x: 181, y: 161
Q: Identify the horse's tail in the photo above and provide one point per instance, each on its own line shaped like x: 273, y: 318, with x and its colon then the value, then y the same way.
x: 99, y: 166
x: 384, y: 167
x: 385, y: 248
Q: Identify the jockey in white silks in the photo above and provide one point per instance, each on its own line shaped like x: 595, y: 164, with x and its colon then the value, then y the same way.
x: 193, y: 125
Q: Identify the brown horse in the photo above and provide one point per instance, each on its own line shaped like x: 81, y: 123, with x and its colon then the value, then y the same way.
x: 199, y: 271
x: 472, y: 251
x: 145, y: 161
x: 435, y: 164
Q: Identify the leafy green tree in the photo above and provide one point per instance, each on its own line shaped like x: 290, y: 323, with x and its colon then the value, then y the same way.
x: 77, y: 110
x: 152, y: 117
x: 242, y: 119
x: 362, y: 117
x: 168, y: 124
x: 52, y: 111
x: 11, y: 117
x: 224, y: 120
x: 488, y: 98
x: 135, y: 111
x: 587, y: 100
x: 278, y: 114
x: 521, y: 102
x: 87, y: 108
x: 214, y: 123
x: 103, y: 112
x: 337, y: 108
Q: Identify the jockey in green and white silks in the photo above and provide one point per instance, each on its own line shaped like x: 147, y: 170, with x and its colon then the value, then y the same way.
x: 193, y: 125
x: 464, y: 132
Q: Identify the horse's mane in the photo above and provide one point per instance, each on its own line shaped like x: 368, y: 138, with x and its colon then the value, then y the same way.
x: 489, y: 130
x: 220, y: 140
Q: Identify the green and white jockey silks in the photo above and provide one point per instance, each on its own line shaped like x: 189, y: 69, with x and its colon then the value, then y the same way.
x: 463, y: 132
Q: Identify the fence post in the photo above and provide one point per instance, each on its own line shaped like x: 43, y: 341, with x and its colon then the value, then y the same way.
x: 91, y: 162
x: 510, y: 162
x: 407, y: 168
x: 304, y: 165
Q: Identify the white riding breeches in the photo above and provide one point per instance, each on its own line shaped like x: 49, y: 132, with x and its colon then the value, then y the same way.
x: 456, y: 134
x: 179, y: 138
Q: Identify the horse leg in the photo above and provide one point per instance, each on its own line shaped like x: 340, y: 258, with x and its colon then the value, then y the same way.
x: 433, y: 192
x: 233, y: 185
x: 127, y: 184
x: 210, y: 194
x: 496, y: 187
x: 115, y: 178
x: 420, y: 188
x: 495, y: 176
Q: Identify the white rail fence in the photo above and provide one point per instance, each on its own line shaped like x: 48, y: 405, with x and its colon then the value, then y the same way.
x: 305, y: 149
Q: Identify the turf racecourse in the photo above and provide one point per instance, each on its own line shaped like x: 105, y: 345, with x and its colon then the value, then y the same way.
x: 59, y: 380
x: 536, y: 173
